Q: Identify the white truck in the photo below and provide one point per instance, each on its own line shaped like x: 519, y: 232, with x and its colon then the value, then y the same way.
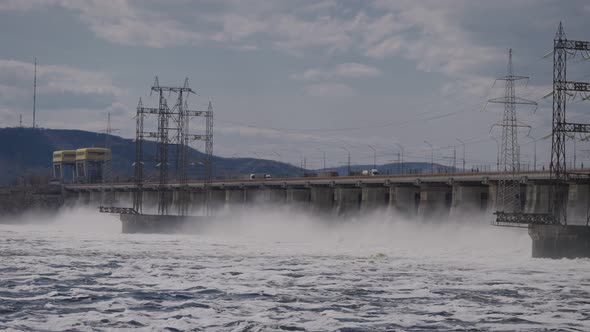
x: 370, y: 172
x: 259, y: 176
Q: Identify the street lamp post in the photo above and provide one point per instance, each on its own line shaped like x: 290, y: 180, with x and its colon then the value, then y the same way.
x: 401, y: 160
x: 324, y: 153
x: 374, y: 156
x: 431, y: 156
x: 534, y: 152
x: 574, y: 138
x: 497, y: 153
x: 454, y: 159
x: 348, y: 151
x: 463, y: 143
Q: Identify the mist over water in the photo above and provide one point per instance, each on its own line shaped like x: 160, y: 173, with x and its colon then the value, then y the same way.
x: 262, y: 268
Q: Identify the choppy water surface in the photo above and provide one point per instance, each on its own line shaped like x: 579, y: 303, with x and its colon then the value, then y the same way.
x: 283, y: 271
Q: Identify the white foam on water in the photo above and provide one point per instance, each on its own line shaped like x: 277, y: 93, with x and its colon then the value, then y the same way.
x: 265, y: 267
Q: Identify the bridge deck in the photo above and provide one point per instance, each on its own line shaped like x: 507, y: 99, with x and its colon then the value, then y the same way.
x: 410, y: 179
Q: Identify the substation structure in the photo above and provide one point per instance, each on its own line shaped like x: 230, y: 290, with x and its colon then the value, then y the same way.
x: 558, y: 231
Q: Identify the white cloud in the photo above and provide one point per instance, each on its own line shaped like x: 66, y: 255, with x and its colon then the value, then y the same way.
x: 355, y: 70
x: 438, y: 43
x: 67, y: 97
x: 236, y: 27
x: 344, y: 70
x: 56, y: 79
x: 428, y: 33
x: 329, y: 90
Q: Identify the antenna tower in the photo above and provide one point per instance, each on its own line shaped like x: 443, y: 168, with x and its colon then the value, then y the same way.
x: 508, y: 194
x: 35, y: 93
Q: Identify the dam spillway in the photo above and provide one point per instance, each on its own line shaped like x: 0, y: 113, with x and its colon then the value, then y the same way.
x: 436, y: 197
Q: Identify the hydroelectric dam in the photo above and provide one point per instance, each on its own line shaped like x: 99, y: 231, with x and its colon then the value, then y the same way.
x: 435, y: 197
x: 554, y: 205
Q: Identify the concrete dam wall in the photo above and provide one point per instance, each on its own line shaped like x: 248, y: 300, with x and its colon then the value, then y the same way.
x: 427, y: 200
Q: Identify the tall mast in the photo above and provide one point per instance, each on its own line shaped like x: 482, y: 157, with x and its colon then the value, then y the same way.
x: 34, y: 92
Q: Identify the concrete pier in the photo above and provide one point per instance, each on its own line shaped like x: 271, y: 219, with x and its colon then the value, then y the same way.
x: 322, y: 199
x: 217, y: 198
x: 347, y: 200
x: 272, y: 196
x: 578, y: 205
x: 537, y: 198
x: 469, y: 200
x: 435, y: 201
x: 234, y: 196
x: 375, y: 198
x: 558, y: 241
x: 405, y: 199
x: 298, y: 196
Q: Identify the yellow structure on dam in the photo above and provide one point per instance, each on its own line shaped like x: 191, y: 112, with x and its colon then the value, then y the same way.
x: 86, y: 165
x: 64, y: 162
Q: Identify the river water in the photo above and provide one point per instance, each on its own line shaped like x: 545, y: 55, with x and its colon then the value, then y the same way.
x: 281, y: 270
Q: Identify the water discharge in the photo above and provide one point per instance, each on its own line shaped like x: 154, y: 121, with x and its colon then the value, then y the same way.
x: 281, y: 269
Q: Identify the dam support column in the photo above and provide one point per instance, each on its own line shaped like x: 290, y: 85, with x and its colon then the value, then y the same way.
x: 123, y: 198
x: 217, y: 198
x: 84, y: 198
x: 150, y: 201
x: 578, y: 204
x: 435, y: 201
x: 234, y: 197
x: 375, y: 198
x: 492, y: 196
x: 298, y: 196
x: 347, y: 200
x: 537, y: 197
x: 265, y: 195
x: 322, y: 199
x: 95, y: 198
x: 404, y: 199
x: 469, y: 199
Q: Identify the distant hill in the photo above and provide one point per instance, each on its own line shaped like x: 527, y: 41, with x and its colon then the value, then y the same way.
x: 28, y: 151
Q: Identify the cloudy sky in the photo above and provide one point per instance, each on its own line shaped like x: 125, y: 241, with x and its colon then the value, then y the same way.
x: 297, y: 78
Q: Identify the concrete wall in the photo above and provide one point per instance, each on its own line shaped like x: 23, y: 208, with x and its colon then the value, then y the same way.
x: 412, y: 199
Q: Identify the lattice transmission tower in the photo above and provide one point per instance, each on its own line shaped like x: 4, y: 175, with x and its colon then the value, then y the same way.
x: 562, y: 89
x: 172, y: 135
x: 508, y: 193
x: 562, y: 49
